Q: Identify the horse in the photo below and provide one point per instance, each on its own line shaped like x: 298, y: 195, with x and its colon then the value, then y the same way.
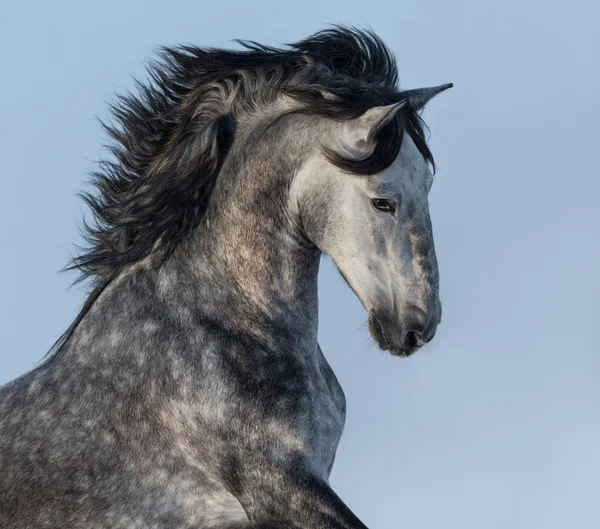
x: 191, y: 391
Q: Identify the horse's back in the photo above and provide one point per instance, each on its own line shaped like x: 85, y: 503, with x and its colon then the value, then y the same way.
x: 69, y: 458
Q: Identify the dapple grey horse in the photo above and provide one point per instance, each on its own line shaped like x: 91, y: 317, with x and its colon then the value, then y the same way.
x: 190, y: 391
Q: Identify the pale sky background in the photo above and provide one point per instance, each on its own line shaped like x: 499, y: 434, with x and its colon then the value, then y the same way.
x: 496, y: 424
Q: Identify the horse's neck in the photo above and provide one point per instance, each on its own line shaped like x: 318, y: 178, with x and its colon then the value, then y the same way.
x: 257, y: 275
x: 255, y: 268
x: 254, y: 281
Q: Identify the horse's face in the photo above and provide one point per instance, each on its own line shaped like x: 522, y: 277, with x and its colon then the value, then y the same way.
x: 378, y: 231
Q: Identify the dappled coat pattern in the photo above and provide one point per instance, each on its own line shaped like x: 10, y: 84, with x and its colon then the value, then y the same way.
x: 190, y: 391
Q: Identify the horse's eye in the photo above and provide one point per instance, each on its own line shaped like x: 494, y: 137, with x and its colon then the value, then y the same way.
x: 381, y: 204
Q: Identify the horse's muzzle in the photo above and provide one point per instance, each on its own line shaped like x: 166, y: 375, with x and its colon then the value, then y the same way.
x: 403, y: 339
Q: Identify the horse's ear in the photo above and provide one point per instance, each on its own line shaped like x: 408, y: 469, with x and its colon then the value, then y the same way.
x: 374, y: 119
x: 419, y: 97
x: 359, y: 134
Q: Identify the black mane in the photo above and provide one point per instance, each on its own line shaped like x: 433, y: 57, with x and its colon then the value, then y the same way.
x: 171, y: 138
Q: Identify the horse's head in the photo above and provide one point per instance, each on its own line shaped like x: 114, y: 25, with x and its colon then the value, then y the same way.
x: 376, y: 225
x: 224, y: 138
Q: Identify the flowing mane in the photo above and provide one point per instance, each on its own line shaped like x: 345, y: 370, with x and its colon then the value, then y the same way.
x: 171, y: 138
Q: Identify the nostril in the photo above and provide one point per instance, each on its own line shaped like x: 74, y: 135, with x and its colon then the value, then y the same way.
x: 413, y: 340
x: 419, y: 339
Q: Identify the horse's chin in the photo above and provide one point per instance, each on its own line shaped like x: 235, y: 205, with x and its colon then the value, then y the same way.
x: 386, y: 339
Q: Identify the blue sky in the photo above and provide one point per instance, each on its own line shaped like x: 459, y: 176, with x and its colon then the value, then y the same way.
x: 496, y: 423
